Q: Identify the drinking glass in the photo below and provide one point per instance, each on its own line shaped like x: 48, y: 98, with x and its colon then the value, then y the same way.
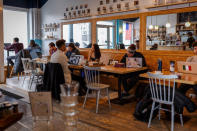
x: 69, y: 102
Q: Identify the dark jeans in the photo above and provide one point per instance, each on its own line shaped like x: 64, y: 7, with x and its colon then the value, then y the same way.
x: 129, y: 83
x: 10, y: 58
x: 82, y: 84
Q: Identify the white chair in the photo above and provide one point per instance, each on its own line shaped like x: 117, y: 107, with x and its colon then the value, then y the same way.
x: 162, y: 89
x: 26, y: 67
x: 92, y: 76
x: 36, y: 72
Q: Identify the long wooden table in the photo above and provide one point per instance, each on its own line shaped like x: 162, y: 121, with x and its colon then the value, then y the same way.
x: 184, y: 78
x: 120, y: 73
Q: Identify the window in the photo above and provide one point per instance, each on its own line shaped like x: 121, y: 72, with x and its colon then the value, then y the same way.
x: 15, y: 25
x: 78, y: 33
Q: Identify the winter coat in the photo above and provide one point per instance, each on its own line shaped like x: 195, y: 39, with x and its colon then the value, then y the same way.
x: 53, y: 78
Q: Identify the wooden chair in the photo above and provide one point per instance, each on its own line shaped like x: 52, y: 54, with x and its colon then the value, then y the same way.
x: 162, y: 92
x: 92, y: 76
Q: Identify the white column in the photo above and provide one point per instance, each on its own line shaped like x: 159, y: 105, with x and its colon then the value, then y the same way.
x: 34, y: 23
x: 1, y: 44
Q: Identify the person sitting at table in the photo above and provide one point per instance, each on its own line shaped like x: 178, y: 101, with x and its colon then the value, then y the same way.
x: 72, y: 50
x: 16, y: 46
x: 77, y: 45
x: 34, y: 50
x: 190, y: 39
x: 185, y: 87
x: 60, y: 57
x: 94, y: 54
x: 52, y: 48
x: 129, y: 83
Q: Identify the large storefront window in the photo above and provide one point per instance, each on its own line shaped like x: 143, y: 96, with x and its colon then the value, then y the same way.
x: 15, y: 25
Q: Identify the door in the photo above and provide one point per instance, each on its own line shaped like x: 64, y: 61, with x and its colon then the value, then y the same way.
x: 105, y: 36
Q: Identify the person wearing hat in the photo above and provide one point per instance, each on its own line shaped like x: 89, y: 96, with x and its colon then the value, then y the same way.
x: 129, y: 83
x: 131, y: 52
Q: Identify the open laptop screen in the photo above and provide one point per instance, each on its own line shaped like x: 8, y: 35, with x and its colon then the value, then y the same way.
x: 133, y: 62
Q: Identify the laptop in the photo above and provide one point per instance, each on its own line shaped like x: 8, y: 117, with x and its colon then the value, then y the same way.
x: 7, y: 45
x: 133, y: 62
x: 187, y: 67
x: 76, y: 59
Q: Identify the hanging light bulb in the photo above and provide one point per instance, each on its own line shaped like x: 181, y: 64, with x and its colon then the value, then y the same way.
x: 187, y: 24
x: 150, y: 27
x: 168, y: 25
x: 156, y: 27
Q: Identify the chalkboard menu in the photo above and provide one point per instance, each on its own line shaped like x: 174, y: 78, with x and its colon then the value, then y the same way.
x: 184, y: 17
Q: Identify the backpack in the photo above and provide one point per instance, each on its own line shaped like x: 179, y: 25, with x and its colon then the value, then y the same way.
x: 143, y: 109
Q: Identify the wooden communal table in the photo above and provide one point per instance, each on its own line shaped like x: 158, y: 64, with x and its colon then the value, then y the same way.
x: 120, y: 73
x: 184, y: 78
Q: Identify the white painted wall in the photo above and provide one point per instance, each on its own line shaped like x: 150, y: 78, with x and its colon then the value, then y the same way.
x: 1, y: 43
x: 54, y: 10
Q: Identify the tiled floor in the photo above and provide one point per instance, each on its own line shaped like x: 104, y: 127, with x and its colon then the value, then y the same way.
x: 119, y: 118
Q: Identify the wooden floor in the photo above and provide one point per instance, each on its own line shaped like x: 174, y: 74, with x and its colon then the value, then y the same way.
x: 119, y: 118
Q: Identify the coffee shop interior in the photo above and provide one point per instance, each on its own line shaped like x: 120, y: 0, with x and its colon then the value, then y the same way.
x: 102, y: 65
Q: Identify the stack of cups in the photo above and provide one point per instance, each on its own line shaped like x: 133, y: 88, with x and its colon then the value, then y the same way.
x: 69, y: 102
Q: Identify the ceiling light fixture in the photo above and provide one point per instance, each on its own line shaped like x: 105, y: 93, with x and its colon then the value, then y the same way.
x: 168, y: 25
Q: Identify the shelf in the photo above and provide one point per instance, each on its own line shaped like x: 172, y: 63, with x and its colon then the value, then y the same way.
x: 170, y: 4
x: 77, y: 17
x: 121, y: 11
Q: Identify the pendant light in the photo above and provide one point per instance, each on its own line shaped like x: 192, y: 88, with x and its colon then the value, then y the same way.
x: 156, y: 26
x: 151, y: 26
x: 188, y: 23
x: 168, y: 25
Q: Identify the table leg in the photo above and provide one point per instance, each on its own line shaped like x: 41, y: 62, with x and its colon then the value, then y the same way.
x: 119, y: 87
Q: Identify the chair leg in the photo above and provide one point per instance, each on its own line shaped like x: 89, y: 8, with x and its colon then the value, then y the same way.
x: 181, y: 119
x: 108, y: 98
x: 151, y: 114
x: 11, y: 72
x: 18, y: 76
x: 85, y: 97
x: 31, y: 82
x: 24, y: 80
x: 159, y: 111
x: 172, y: 118
x: 97, y: 100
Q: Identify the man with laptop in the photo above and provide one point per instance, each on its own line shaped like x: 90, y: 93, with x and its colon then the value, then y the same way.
x: 131, y: 58
x: 16, y: 46
x: 187, y: 67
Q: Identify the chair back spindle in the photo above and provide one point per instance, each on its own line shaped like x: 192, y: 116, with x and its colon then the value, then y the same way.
x: 163, y: 93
